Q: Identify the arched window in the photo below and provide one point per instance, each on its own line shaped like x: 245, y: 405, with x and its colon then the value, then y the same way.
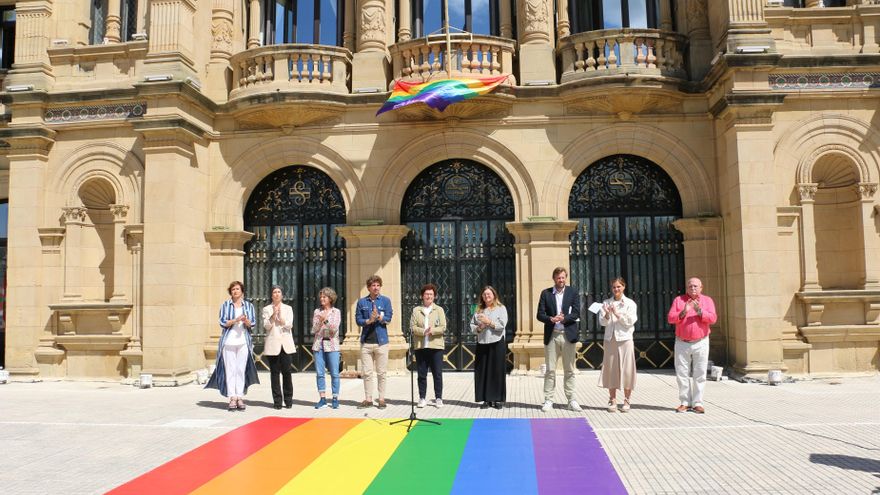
x: 591, y: 15
x: 317, y: 22
x: 473, y: 16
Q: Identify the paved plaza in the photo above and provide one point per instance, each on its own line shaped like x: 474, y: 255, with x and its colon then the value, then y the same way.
x: 817, y: 436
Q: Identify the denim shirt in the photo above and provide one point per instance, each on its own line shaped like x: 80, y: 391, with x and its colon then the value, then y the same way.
x: 362, y: 314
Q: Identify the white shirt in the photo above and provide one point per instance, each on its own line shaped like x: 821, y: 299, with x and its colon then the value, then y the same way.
x: 622, y: 326
x: 236, y: 332
x: 427, y: 312
x: 559, y: 294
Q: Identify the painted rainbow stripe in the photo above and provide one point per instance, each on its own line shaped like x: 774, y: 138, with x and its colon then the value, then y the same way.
x: 339, y: 456
x: 440, y: 93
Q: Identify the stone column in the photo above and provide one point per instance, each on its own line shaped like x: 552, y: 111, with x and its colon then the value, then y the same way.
x: 171, y: 39
x: 222, y: 36
x: 743, y: 24
x: 113, y: 22
x: 74, y: 221
x: 133, y: 353
x: 703, y: 259
x: 348, y: 30
x: 404, y: 33
x: 666, y: 15
x: 373, y: 250
x: 370, y: 64
x: 754, y: 301
x: 175, y: 296
x: 32, y: 32
x: 811, y: 4
x: 540, y: 246
x: 563, y: 26
x: 699, y: 38
x: 29, y: 287
x: 537, y: 55
x: 254, y: 27
x: 506, y: 25
x: 870, y: 235
x: 225, y: 265
x: 121, y: 262
x: 810, y: 276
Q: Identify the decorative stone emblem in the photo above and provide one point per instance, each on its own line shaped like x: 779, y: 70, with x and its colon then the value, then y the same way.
x: 373, y: 24
x: 536, y: 15
x: 221, y: 34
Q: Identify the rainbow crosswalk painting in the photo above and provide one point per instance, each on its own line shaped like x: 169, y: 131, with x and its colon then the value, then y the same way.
x: 340, y: 456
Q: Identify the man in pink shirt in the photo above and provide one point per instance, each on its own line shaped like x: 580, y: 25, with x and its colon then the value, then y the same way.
x: 692, y: 313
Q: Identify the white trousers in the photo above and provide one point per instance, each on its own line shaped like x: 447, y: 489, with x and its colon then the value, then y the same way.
x: 691, y: 361
x: 235, y: 362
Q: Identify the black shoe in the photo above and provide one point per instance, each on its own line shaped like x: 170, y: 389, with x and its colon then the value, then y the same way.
x: 485, y: 405
x: 497, y: 405
x: 277, y: 406
x: 288, y: 405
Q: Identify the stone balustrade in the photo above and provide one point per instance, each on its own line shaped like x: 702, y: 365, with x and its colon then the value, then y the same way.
x: 472, y: 55
x: 825, y: 31
x: 622, y: 51
x: 295, y: 67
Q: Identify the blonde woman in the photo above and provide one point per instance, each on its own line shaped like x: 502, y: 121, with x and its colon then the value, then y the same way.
x: 325, y: 327
x: 489, y: 323
x: 618, y: 315
x: 428, y: 324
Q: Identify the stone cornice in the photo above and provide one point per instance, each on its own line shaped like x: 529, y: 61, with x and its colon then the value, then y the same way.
x: 23, y: 141
x: 227, y: 242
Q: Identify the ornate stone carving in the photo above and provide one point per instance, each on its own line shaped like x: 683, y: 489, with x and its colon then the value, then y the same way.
x: 486, y: 107
x: 221, y: 36
x: 74, y: 214
x: 120, y: 212
x: 536, y: 15
x: 807, y: 192
x: 867, y: 190
x: 624, y: 103
x: 373, y: 24
x: 288, y: 115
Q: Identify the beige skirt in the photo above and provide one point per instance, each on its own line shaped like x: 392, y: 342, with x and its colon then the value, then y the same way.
x: 618, y: 365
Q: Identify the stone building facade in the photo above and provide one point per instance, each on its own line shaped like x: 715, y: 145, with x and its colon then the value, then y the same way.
x: 151, y: 151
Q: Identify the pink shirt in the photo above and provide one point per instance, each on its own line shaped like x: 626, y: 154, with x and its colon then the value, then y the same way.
x: 326, y: 331
x: 692, y: 326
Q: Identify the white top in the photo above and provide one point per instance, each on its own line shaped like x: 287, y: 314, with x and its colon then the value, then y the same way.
x: 236, y: 332
x: 621, y: 326
x: 427, y: 312
x: 494, y: 332
x: 558, y: 293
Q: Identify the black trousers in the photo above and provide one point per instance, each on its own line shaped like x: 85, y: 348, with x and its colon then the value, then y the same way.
x: 279, y: 370
x: 433, y: 359
x: 490, y: 372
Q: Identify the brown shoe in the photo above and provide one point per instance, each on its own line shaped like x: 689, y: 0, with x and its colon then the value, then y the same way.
x: 381, y: 404
x: 699, y: 410
x: 365, y: 404
x: 682, y: 408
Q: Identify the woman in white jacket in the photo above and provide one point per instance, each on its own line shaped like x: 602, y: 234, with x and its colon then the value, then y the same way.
x: 618, y: 316
x: 279, y: 347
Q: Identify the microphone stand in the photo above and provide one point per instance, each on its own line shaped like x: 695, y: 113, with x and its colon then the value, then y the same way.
x: 412, y: 393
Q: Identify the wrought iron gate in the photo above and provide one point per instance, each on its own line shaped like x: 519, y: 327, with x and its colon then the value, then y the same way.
x: 456, y: 211
x: 625, y: 206
x: 293, y: 214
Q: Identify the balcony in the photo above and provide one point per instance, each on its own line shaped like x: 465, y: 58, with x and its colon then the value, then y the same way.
x: 611, y: 52
x: 290, y: 67
x: 424, y: 59
x: 825, y: 31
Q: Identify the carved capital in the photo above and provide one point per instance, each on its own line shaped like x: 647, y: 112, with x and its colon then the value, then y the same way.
x: 866, y: 190
x: 807, y: 192
x: 372, y: 26
x: 74, y: 214
x: 120, y: 212
x: 221, y: 38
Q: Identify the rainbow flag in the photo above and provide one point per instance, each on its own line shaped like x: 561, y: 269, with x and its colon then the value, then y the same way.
x: 341, y: 456
x: 440, y: 93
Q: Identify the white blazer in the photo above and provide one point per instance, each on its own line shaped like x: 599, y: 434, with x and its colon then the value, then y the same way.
x: 278, y: 336
x: 623, y: 325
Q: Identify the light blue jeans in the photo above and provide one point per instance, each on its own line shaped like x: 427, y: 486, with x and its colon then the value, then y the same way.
x: 330, y: 360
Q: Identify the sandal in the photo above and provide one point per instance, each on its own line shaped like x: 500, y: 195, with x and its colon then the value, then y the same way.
x: 232, y: 405
x: 241, y: 406
x: 625, y: 407
x: 612, y: 405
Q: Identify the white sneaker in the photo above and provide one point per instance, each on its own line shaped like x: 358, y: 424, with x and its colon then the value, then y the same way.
x: 422, y: 403
x: 574, y: 406
x: 438, y: 402
x: 548, y: 406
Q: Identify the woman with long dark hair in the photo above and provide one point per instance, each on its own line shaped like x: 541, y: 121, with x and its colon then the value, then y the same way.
x: 489, y: 323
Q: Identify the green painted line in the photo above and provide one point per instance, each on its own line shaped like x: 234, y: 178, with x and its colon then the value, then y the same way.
x: 427, y: 460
